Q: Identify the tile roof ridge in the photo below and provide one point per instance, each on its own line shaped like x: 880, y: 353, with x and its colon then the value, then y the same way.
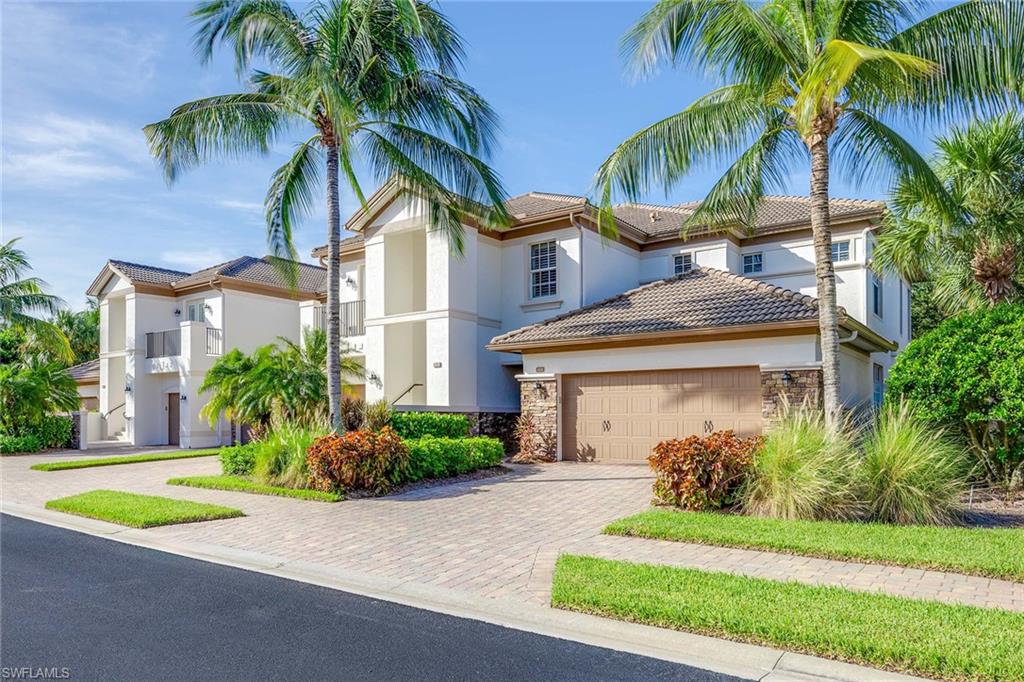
x: 552, y: 195
x: 115, y: 261
x: 595, y: 304
x: 676, y: 208
x: 268, y: 260
x: 759, y: 285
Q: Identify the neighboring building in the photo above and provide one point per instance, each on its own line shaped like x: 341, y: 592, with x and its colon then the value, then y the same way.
x: 718, y: 344
x: 161, y: 330
x: 87, y: 376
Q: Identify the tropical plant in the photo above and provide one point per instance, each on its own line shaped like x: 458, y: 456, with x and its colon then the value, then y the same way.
x: 33, y: 389
x: 974, y: 256
x: 810, y: 81
x: 436, y: 424
x: 279, y: 456
x: 701, y: 473
x: 358, y: 460
x: 82, y: 330
x: 23, y: 298
x: 375, y: 76
x: 910, y: 472
x: 968, y: 375
x: 377, y: 415
x: 805, y: 469
x: 288, y: 381
x: 353, y: 412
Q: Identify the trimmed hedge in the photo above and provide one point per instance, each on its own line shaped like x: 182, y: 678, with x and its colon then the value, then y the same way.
x: 52, y: 431
x: 431, y: 457
x: 238, y: 460
x: 410, y: 425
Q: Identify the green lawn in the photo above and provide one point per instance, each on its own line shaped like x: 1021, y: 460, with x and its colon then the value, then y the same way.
x: 989, y: 552
x: 244, y: 485
x: 127, y: 459
x: 922, y: 637
x: 139, y: 511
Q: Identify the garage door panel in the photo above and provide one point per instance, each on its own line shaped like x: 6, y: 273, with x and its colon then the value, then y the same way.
x: 622, y: 416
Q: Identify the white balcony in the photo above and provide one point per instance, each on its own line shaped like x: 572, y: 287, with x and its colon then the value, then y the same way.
x: 192, y: 345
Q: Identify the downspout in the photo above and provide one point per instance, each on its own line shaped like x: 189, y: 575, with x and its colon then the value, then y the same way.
x: 847, y: 339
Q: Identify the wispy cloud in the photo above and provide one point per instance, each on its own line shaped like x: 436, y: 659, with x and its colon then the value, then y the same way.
x: 250, y: 207
x: 56, y: 148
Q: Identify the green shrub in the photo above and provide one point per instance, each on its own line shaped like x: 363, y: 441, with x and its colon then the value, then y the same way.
x: 238, y: 460
x: 910, y: 472
x: 420, y: 424
x: 280, y: 455
x: 11, y: 444
x: 803, y: 470
x: 968, y: 375
x: 357, y: 460
x: 698, y: 473
x: 431, y: 457
x: 52, y: 430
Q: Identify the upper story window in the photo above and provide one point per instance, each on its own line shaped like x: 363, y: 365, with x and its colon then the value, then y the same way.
x: 876, y: 295
x: 752, y: 262
x: 543, y: 269
x: 840, y: 251
x: 682, y: 262
x: 196, y: 311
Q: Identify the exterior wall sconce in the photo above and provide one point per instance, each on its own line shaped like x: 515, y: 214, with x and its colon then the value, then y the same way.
x: 127, y: 388
x: 787, y: 378
x: 538, y: 386
x: 184, y: 398
x: 177, y: 312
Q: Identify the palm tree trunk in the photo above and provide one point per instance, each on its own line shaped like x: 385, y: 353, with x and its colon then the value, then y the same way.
x: 333, y: 289
x: 828, y: 327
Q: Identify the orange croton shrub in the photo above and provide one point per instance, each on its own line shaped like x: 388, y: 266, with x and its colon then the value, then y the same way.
x: 698, y: 473
x: 357, y: 460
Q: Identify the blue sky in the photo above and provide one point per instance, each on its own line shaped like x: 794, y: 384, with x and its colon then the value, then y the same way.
x: 80, y: 80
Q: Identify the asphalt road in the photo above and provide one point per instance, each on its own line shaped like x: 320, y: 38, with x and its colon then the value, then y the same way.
x: 104, y: 610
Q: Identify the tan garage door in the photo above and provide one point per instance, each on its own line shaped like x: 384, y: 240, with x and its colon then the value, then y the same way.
x: 621, y: 416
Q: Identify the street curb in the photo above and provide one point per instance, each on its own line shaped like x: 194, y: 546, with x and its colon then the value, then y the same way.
x: 747, y: 661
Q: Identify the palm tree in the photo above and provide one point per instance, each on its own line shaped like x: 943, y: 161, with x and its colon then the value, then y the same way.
x: 376, y: 79
x: 82, y: 329
x: 22, y: 298
x: 289, y: 381
x: 809, y: 81
x: 974, y: 256
x: 32, y: 388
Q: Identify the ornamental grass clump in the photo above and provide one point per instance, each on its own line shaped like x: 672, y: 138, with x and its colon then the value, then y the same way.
x: 280, y: 455
x: 700, y: 474
x: 911, y: 473
x: 804, y: 470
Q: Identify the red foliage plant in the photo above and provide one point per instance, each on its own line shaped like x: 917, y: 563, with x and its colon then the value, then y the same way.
x: 698, y: 473
x: 357, y: 460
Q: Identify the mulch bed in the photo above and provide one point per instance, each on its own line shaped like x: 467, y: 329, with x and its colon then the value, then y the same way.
x: 477, y: 475
x: 994, y: 507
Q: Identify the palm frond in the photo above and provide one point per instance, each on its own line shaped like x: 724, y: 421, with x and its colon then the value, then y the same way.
x: 228, y: 126
x: 256, y: 28
x: 291, y: 196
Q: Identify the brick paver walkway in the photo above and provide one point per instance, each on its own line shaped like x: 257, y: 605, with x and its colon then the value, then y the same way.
x: 496, y: 537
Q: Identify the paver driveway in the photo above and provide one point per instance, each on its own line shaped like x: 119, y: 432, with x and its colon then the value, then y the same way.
x: 493, y: 537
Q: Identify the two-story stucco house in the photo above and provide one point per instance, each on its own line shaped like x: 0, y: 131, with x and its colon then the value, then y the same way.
x: 161, y: 330
x: 611, y: 345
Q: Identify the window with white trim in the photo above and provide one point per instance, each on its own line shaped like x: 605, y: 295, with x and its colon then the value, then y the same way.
x: 840, y: 251
x: 543, y: 269
x: 876, y: 295
x: 195, y: 311
x: 752, y: 262
x: 682, y: 262
x: 877, y: 384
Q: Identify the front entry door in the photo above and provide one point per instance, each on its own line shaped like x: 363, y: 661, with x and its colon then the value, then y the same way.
x: 173, y: 419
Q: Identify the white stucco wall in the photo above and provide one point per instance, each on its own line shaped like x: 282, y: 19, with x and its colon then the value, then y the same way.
x: 517, y: 308
x: 609, y: 268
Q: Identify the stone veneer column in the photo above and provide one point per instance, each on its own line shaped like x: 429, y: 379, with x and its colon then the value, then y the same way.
x: 538, y: 398
x: 803, y: 384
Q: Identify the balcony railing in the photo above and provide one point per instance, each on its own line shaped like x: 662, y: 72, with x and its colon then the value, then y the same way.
x: 351, y: 318
x: 163, y: 344
x: 214, y: 341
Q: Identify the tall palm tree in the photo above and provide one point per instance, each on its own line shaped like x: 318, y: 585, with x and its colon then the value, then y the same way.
x: 376, y: 79
x: 23, y: 298
x: 976, y: 255
x: 808, y: 81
